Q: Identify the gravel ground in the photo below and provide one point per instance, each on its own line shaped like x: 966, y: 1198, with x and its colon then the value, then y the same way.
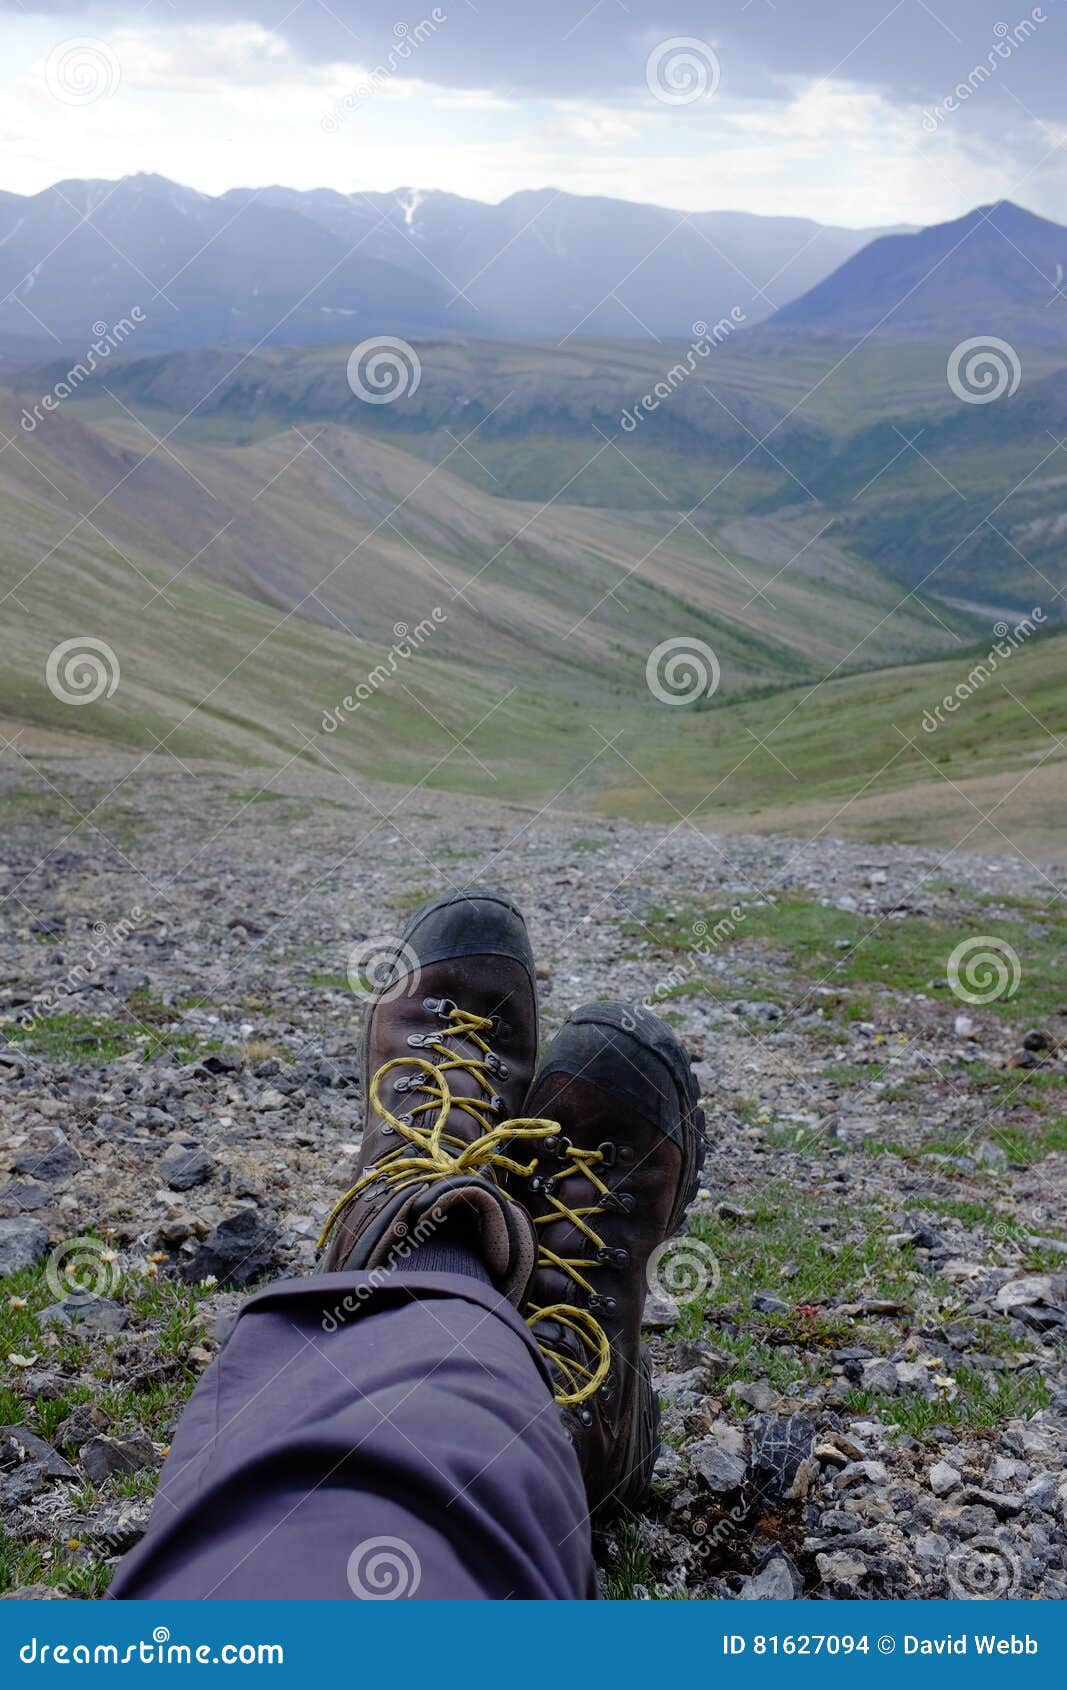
x: 860, y: 1340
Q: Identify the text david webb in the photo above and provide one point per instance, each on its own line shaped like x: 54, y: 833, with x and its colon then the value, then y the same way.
x: 973, y: 1645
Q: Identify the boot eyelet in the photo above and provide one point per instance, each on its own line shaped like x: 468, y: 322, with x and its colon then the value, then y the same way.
x: 585, y: 1417
x: 607, y: 1153
x: 386, y: 1130
x: 619, y: 1202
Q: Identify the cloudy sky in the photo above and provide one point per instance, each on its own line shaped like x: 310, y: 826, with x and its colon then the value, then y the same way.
x: 835, y: 109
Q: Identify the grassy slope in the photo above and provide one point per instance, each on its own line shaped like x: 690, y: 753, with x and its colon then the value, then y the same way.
x: 848, y: 763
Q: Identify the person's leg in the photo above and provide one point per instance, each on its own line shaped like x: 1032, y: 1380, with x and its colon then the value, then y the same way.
x: 370, y: 1436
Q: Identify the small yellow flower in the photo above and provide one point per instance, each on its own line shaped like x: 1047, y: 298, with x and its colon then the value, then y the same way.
x: 151, y: 1271
x: 17, y: 1302
x: 159, y: 1256
x: 73, y: 1543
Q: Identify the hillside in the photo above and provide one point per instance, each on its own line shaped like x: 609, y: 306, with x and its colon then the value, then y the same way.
x: 245, y: 589
x: 871, y: 445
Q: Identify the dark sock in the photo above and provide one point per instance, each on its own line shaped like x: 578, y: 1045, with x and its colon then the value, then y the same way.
x: 452, y: 1247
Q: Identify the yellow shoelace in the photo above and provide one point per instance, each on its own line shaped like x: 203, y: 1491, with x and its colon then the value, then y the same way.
x: 579, y: 1380
x: 428, y: 1152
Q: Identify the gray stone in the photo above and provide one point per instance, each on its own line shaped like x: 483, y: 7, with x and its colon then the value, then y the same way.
x: 879, y: 1375
x: 943, y: 1478
x: 19, y: 1197
x: 51, y: 1163
x: 720, y: 1471
x: 661, y: 1312
x: 758, y: 1395
x: 23, y: 1243
x: 99, y: 1314
x: 186, y: 1165
x: 238, y: 1252
x: 839, y: 1567
x: 767, y: 1303
x: 777, y: 1581
x: 103, y: 1456
x: 29, y: 1447
x: 782, y: 1464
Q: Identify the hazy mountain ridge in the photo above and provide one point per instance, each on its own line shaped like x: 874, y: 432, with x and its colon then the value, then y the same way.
x: 998, y: 270
x: 282, y: 266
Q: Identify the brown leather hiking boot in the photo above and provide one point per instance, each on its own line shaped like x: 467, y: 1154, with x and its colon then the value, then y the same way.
x: 605, y: 1194
x: 448, y: 1052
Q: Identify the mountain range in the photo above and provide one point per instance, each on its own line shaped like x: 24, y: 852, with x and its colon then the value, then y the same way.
x: 281, y: 266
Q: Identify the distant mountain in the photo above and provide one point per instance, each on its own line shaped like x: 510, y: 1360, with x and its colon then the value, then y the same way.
x: 284, y: 267
x: 999, y: 270
x: 202, y: 271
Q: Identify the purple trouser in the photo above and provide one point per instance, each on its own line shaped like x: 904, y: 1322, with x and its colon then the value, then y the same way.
x: 371, y: 1436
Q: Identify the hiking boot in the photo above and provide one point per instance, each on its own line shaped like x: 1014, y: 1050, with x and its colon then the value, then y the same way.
x: 604, y: 1196
x: 448, y: 1052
